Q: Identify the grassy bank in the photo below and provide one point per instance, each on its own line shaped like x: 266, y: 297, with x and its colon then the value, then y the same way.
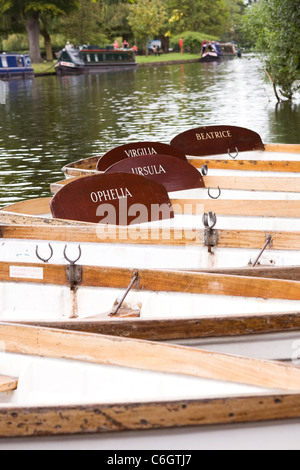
x: 46, y: 67
x: 172, y: 57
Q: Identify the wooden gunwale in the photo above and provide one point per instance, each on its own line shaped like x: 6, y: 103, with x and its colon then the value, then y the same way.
x: 274, y: 184
x: 282, y: 166
x: 98, y: 418
x: 88, y: 165
x: 30, y: 210
x: 253, y: 208
x: 183, y: 328
x: 92, y: 233
x: 162, y: 281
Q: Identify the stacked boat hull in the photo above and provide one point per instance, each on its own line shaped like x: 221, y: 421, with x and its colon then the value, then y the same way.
x: 217, y: 272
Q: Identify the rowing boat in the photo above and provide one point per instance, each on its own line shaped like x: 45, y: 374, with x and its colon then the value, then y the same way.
x: 221, y: 148
x: 67, y: 384
x: 194, y: 231
x: 99, y: 296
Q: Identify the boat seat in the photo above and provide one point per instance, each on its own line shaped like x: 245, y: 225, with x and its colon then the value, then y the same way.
x: 8, y: 383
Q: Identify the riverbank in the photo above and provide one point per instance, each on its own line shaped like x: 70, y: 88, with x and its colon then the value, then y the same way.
x: 46, y: 68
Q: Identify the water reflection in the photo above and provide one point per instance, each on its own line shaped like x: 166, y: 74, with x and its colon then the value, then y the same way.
x: 50, y: 121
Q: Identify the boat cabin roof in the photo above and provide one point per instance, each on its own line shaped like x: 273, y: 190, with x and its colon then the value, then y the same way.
x: 15, y: 60
x: 220, y: 48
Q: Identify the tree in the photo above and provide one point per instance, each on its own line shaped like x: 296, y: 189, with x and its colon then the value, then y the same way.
x: 203, y: 16
x: 18, y: 15
x: 147, y: 19
x: 274, y: 26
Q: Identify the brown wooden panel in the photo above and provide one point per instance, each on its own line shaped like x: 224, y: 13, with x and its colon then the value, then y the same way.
x: 215, y: 140
x: 173, y: 173
x: 136, y: 150
x: 115, y: 199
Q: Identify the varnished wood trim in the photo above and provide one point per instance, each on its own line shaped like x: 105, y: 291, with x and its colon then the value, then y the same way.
x: 284, y: 166
x: 161, y: 281
x: 238, y: 207
x: 93, y: 233
x: 285, y: 148
x: 274, y: 184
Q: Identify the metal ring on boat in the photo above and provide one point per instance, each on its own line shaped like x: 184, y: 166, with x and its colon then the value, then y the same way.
x: 213, y: 197
x: 233, y: 156
x: 72, y: 261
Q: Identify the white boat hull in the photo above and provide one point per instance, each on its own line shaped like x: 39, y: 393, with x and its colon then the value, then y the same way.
x: 75, y: 405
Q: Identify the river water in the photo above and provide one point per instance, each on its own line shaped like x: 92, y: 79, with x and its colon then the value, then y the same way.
x: 50, y: 121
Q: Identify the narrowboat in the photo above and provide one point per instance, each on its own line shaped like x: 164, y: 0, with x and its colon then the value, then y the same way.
x: 94, y: 59
x: 215, y: 51
x: 13, y: 65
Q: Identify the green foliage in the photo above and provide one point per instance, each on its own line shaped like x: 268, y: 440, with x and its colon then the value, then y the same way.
x: 101, y: 21
x: 82, y: 25
x: 273, y: 26
x: 15, y: 42
x: 147, y: 19
x: 213, y: 17
x: 192, y: 41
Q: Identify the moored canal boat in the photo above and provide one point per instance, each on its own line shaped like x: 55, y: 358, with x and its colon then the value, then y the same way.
x: 94, y: 59
x: 215, y: 51
x: 15, y: 65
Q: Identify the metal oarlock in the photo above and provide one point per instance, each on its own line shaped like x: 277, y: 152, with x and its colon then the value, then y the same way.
x: 214, y: 197
x: 211, y: 236
x: 209, y: 220
x: 204, y: 170
x: 134, y: 280
x: 74, y: 272
x: 44, y: 260
x: 233, y: 156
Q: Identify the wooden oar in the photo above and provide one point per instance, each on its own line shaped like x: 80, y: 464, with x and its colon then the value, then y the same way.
x: 150, y: 356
